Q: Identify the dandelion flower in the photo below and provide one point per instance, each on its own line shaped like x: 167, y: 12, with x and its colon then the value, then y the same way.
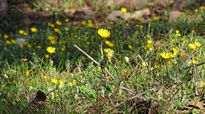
x: 45, y: 77
x: 123, y: 10
x: 74, y: 82
x: 197, y: 44
x: 58, y: 23
x: 109, y: 43
x: 130, y: 47
x: 54, y: 81
x: 175, y: 51
x: 104, y: 33
x: 166, y: 55
x: 51, y: 50
x: 144, y: 64
x: 193, y: 61
x: 33, y: 29
x: 149, y: 41
x: 27, y: 73
x: 192, y: 46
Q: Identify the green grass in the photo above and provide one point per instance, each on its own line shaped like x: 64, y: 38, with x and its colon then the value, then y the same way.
x: 82, y: 88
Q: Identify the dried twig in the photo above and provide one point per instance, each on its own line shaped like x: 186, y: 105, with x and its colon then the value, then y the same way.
x: 94, y: 61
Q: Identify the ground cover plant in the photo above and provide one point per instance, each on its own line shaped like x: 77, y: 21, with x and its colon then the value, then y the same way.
x: 152, y: 66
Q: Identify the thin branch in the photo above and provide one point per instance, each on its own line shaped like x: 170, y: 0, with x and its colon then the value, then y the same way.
x: 94, y: 61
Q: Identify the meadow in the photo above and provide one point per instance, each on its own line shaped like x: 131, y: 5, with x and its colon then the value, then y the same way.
x: 148, y: 65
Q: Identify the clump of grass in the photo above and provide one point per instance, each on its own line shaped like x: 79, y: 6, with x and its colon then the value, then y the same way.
x: 157, y: 64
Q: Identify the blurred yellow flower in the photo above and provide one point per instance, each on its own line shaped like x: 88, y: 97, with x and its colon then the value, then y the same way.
x: 155, y: 18
x: 24, y: 60
x: 106, y: 50
x: 33, y: 29
x: 149, y: 41
x: 13, y: 41
x: 74, y: 82
x: 109, y: 43
x: 66, y: 28
x: 144, y: 64
x: 193, y: 61
x: 124, y: 70
x: 8, y: 42
x: 54, y: 81
x: 166, y: 55
x: 99, y: 69
x: 192, y: 46
x: 58, y: 23
x: 197, y: 44
x: 175, y: 51
x: 130, y: 47
x: 45, y: 77
x: 47, y: 56
x: 6, y: 36
x: 66, y: 20
x: 104, y: 33
x: 202, y: 7
x: 21, y: 31
x: 123, y: 10
x: 27, y: 73
x: 61, y: 82
x: 51, y: 50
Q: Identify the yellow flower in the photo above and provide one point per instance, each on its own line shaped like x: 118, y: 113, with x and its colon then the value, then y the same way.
x: 109, y: 43
x: 38, y: 47
x: 6, y: 36
x: 57, y: 30
x: 130, y: 47
x: 50, y: 38
x: 149, y: 45
x: 53, y: 42
x: 66, y: 28
x: 124, y: 70
x: 14, y: 81
x: 182, y: 55
x: 13, y: 41
x: 47, y: 56
x: 197, y: 44
x: 58, y: 23
x: 175, y: 51
x: 196, y: 10
x: 66, y: 20
x: 193, y: 61
x: 104, y: 33
x: 74, y: 82
x: 61, y: 82
x: 33, y: 29
x: 51, y: 50
x: 177, y: 31
x: 136, y: 32
x: 25, y: 33
x: 83, y: 23
x: 106, y: 50
x: 166, y: 55
x: 149, y: 41
x: 155, y: 18
x: 21, y: 31
x: 108, y: 77
x: 123, y: 10
x: 8, y: 42
x: 99, y: 69
x: 192, y: 46
x: 27, y: 73
x: 45, y: 77
x: 91, y: 25
x: 156, y: 66
x: 202, y: 7
x: 144, y: 64
x: 25, y: 59
x: 54, y: 81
